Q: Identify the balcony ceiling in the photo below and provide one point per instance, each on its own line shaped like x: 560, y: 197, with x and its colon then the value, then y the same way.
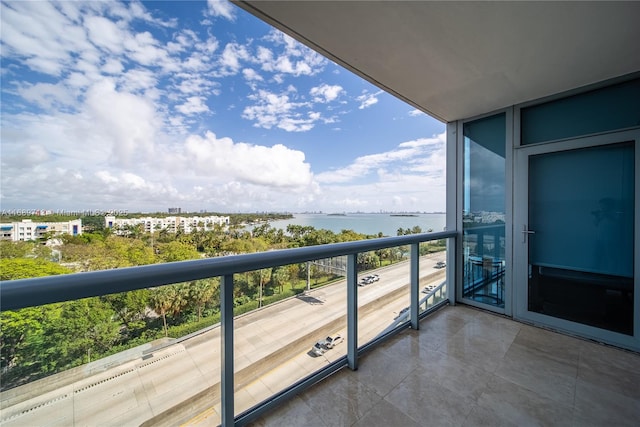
x: 455, y: 60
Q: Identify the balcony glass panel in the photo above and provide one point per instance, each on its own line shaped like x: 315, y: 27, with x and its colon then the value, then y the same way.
x: 383, y: 291
x: 483, y: 225
x: 172, y: 369
x: 119, y: 359
x: 433, y: 274
x: 284, y: 341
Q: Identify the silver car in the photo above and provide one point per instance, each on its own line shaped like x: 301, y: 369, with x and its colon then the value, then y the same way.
x: 318, y: 348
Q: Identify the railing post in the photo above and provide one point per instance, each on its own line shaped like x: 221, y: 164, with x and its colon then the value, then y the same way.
x: 352, y: 312
x: 226, y: 350
x: 454, y: 268
x: 415, y: 285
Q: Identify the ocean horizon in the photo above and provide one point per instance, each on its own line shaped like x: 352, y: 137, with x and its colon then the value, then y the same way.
x: 366, y: 223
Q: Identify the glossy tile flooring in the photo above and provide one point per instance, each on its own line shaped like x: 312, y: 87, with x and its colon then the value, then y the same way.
x: 466, y: 367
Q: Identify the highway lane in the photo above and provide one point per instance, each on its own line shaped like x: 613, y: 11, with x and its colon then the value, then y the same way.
x: 147, y: 388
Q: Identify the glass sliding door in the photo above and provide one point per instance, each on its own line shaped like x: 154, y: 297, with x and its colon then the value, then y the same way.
x: 483, y: 223
x: 577, y: 249
x: 581, y: 209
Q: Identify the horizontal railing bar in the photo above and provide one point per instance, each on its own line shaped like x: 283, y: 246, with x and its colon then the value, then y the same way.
x: 16, y: 294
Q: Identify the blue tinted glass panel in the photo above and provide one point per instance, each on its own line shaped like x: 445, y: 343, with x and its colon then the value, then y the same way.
x: 582, y: 209
x: 484, y: 210
x: 602, y: 110
x: 581, y: 255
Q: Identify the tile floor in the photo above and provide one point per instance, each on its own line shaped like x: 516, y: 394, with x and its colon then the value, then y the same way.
x: 466, y: 367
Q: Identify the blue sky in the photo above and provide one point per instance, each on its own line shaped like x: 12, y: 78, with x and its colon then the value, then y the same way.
x: 149, y: 105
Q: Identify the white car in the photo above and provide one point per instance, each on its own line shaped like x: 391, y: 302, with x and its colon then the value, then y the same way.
x: 333, y: 340
x: 428, y: 289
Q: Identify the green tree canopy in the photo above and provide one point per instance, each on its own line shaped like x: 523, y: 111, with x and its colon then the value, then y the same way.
x: 30, y: 249
x: 176, y: 251
x: 24, y: 268
x: 21, y: 328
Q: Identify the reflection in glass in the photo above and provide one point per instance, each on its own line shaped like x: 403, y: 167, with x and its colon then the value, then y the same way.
x: 483, y: 242
x: 581, y: 207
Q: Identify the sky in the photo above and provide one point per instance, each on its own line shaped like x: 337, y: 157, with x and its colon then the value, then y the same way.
x: 142, y: 106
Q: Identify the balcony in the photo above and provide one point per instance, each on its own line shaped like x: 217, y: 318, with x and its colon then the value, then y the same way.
x: 465, y: 367
x: 233, y: 372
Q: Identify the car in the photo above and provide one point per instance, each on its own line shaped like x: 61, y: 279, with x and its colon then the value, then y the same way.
x: 367, y: 280
x: 440, y: 264
x: 428, y: 289
x: 375, y: 277
x: 402, y: 312
x: 318, y: 348
x: 333, y: 340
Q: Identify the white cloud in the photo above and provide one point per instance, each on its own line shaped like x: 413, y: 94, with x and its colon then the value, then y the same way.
x: 230, y: 58
x: 273, y: 110
x: 326, y: 93
x: 402, y: 192
x: 112, y: 66
x: 196, y: 84
x: 47, y: 95
x: 221, y: 8
x: 41, y: 35
x: 105, y: 34
x: 276, y: 166
x: 415, y: 113
x: 138, y: 80
x: 144, y: 49
x: 125, y: 121
x: 251, y: 75
x: 406, y: 158
x: 194, y: 105
x: 366, y: 100
x: 296, y: 59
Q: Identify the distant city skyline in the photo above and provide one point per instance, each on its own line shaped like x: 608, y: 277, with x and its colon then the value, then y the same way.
x: 139, y: 106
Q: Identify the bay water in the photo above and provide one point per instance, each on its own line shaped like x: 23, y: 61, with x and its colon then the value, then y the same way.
x: 366, y: 223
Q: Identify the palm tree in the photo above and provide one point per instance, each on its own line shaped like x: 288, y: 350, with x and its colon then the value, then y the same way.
x: 167, y: 300
x: 261, y: 276
x: 280, y: 276
x: 200, y: 292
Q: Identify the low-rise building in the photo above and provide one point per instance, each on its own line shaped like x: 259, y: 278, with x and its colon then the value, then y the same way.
x: 27, y: 229
x: 171, y: 224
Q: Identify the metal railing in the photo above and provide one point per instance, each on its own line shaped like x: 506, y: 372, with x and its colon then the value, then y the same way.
x: 17, y: 294
x: 483, y: 263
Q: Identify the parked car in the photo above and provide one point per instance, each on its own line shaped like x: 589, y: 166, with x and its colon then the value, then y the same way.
x: 333, y: 340
x: 318, y: 348
x: 440, y: 264
x: 428, y: 289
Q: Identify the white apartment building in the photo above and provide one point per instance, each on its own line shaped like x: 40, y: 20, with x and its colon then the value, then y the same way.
x: 172, y: 224
x: 29, y: 230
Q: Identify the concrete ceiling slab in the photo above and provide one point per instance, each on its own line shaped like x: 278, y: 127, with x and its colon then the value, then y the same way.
x: 456, y: 60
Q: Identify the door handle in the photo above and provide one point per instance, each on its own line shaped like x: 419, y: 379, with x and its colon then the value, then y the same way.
x: 525, y: 232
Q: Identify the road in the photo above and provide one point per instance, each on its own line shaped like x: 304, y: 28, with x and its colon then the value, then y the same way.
x: 271, y: 352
